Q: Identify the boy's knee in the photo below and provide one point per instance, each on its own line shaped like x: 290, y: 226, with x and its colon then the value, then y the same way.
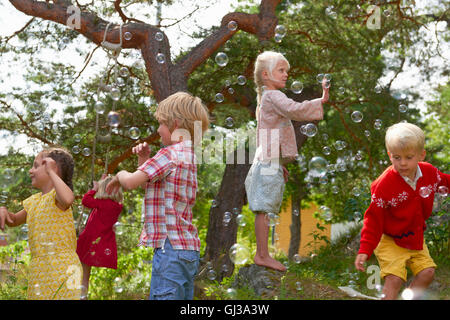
x: 394, y: 280
x: 427, y: 273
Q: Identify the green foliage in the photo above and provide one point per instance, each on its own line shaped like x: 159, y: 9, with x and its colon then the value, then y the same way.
x: 131, y: 279
x: 323, y: 36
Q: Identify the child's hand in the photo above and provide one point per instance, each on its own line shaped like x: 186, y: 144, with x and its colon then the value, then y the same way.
x: 142, y: 150
x: 359, y: 261
x: 113, y: 186
x: 4, y: 216
x: 95, y: 185
x: 50, y: 165
x: 326, y: 89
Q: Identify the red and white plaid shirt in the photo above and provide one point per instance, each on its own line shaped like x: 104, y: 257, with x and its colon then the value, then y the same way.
x: 169, y: 198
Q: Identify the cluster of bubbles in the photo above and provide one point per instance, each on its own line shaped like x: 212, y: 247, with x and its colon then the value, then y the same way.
x: 228, y: 216
x: 280, y: 32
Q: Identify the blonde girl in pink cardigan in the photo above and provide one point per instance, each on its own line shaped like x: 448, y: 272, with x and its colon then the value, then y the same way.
x: 276, y: 145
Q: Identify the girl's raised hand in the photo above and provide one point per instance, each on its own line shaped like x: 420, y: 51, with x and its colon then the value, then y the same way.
x: 50, y: 165
x: 326, y: 89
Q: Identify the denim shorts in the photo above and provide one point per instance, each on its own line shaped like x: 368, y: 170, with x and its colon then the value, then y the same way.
x: 173, y: 273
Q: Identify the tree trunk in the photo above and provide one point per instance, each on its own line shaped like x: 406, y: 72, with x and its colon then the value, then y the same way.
x: 230, y: 198
x: 296, y: 224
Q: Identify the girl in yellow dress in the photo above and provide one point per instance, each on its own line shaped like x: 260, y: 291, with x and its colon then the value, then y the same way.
x: 55, y: 270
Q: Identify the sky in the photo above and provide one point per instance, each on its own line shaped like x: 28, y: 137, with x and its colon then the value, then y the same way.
x: 12, y: 20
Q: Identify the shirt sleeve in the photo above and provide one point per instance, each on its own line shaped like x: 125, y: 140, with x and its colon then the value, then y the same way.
x: 444, y: 179
x: 88, y: 199
x: 158, y: 167
x: 373, y: 226
x: 299, y: 111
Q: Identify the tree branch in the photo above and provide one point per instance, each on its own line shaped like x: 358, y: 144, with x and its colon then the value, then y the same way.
x: 262, y: 25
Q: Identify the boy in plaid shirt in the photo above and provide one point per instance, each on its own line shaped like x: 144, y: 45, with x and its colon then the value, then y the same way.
x: 170, y: 179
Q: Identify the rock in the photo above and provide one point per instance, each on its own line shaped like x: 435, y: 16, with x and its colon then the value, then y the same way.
x: 263, y: 281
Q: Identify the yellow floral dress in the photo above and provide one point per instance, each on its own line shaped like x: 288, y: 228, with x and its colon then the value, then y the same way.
x: 55, y: 270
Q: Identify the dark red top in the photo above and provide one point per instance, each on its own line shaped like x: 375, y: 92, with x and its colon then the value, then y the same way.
x: 399, y: 211
x: 96, y: 245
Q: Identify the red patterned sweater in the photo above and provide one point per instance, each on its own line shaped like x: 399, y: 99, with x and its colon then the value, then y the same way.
x: 399, y: 211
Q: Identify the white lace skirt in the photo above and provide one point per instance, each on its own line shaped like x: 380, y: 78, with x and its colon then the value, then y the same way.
x: 265, y: 186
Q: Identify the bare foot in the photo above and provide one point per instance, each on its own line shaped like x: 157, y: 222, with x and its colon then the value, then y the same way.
x: 269, y: 262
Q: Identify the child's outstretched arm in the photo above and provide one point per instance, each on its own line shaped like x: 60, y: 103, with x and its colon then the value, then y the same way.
x: 64, y: 195
x: 127, y: 180
x: 11, y: 219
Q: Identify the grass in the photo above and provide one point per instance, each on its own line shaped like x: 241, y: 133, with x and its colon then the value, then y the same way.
x: 319, y: 277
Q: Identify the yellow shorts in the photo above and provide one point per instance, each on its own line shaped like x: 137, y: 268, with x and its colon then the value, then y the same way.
x: 394, y: 259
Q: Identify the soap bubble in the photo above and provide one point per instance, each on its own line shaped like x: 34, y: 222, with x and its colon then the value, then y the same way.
x: 214, y: 203
x: 120, y: 82
x: 160, y: 58
x: 241, y: 80
x: 326, y: 150
x: 113, y: 119
x: 239, y: 254
x: 278, y: 38
x: 219, y: 97
x: 356, y: 192
x: 77, y: 137
x: 321, y: 76
x: 357, y: 116
x: 281, y: 30
x: 325, y: 213
x: 367, y: 133
x: 211, y: 274
x: 359, y: 155
x: 272, y: 219
x: 297, y: 87
x: 377, y: 124
x: 229, y: 122
x: 232, y: 25
x: 99, y: 107
x: 231, y: 293
x: 408, y: 294
x: 297, y: 258
x: 298, y: 286
x: 221, y: 59
x: 86, y: 152
x: 128, y: 35
x: 115, y: 94
x: 443, y: 191
x: 230, y: 90
x: 340, y: 145
x: 134, y: 133
x: 335, y: 189
x: 240, y: 220
x: 159, y: 36
x: 124, y: 72
x: 226, y: 218
x: 76, y: 149
x: 310, y: 130
x: 317, y: 166
x: 403, y: 108
x: 341, y: 90
x: 425, y: 192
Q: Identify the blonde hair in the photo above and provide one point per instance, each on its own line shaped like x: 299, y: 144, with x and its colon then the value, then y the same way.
x: 185, y: 108
x: 404, y: 136
x: 265, y: 61
x: 102, y: 194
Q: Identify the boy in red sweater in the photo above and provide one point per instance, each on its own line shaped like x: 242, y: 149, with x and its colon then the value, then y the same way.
x: 402, y: 200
